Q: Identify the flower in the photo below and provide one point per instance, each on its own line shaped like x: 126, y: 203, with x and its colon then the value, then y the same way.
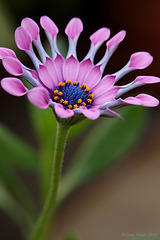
x: 69, y: 86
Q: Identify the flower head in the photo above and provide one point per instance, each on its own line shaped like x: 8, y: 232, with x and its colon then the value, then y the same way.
x: 69, y: 86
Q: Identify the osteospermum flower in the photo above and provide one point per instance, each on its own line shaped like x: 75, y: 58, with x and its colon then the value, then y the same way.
x: 69, y: 86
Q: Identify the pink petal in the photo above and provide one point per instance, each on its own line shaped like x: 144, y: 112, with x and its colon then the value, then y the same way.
x: 104, y: 85
x: 107, y: 96
x: 93, y: 77
x: 39, y: 97
x: 58, y: 62
x: 6, y: 52
x: 61, y: 112
x: 100, y: 35
x: 49, y: 64
x: 13, y: 86
x: 70, y: 69
x: 45, y: 77
x: 147, y: 79
x: 23, y: 38
x: 13, y: 66
x: 115, y: 40
x: 143, y: 100
x: 91, y: 113
x: 31, y: 26
x: 74, y: 27
x: 84, y: 67
x: 140, y: 60
x: 48, y: 25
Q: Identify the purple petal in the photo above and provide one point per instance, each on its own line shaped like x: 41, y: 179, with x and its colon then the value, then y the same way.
x: 58, y: 61
x: 91, y: 113
x: 110, y: 113
x: 23, y: 38
x: 107, y: 96
x: 147, y: 79
x: 140, y: 60
x: 93, y: 77
x: 104, y: 85
x: 74, y: 27
x: 115, y: 40
x: 13, y: 66
x: 13, y: 86
x: 143, y: 100
x: 39, y: 97
x: 49, y: 64
x: 70, y: 69
x: 45, y: 77
x: 100, y: 35
x: 6, y: 52
x: 48, y: 25
x: 84, y: 67
x: 31, y: 26
x: 61, y: 112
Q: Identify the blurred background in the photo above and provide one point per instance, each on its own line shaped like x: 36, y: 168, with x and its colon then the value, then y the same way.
x: 124, y: 200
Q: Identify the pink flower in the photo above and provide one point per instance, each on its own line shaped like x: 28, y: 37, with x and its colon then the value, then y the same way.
x: 69, y: 86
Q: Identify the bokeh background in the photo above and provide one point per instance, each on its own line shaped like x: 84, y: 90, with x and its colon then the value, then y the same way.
x: 124, y: 201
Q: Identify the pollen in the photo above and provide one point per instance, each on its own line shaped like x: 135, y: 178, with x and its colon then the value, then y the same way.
x: 60, y: 94
x: 84, y: 85
x: 70, y: 106
x: 60, y: 84
x: 87, y: 90
x: 62, y: 100
x: 89, y: 101
x: 91, y: 95
x: 65, y: 102
x: 68, y: 82
x: 56, y: 92
x: 75, y: 83
x: 75, y: 106
x: 83, y: 104
x: 79, y: 101
x: 56, y: 98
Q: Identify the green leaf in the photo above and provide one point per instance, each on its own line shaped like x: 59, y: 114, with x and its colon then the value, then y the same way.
x: 15, y: 151
x: 109, y: 140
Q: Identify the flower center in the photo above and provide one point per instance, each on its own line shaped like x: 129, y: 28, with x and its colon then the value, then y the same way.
x: 72, y: 95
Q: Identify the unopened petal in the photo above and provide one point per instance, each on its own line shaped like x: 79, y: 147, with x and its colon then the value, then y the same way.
x: 13, y: 66
x: 143, y: 100
x: 100, y: 35
x: 6, y: 52
x: 61, y: 112
x: 48, y: 25
x: 39, y: 97
x: 115, y: 40
x: 23, y: 38
x: 13, y: 86
x: 31, y: 26
x: 140, y: 60
x: 74, y: 27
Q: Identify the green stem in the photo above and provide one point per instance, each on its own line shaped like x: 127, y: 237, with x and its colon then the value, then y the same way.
x: 39, y: 232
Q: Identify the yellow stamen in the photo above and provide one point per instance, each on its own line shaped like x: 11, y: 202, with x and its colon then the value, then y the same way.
x: 75, y: 83
x: 83, y: 104
x: 68, y: 82
x: 79, y: 101
x: 60, y: 94
x: 87, y: 89
x: 70, y: 106
x: 91, y: 96
x: 56, y: 92
x: 89, y: 101
x: 75, y: 106
x: 60, y: 84
x: 63, y: 84
x: 62, y: 100
x: 84, y: 85
x: 80, y: 86
x: 65, y: 102
x: 56, y: 98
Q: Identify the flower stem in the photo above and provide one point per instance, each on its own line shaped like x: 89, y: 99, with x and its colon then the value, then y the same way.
x: 39, y: 232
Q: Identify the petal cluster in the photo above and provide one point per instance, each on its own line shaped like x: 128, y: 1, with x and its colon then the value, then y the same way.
x: 69, y: 86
